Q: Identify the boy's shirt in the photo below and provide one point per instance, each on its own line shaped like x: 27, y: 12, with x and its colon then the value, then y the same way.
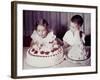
x: 72, y: 39
x: 76, y: 51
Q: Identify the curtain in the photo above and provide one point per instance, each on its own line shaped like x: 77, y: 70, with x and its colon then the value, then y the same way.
x: 58, y: 21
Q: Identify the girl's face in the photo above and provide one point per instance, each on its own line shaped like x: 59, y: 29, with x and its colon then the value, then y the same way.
x: 42, y: 31
x: 74, y: 26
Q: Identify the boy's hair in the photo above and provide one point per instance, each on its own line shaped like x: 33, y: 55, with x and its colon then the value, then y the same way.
x: 42, y: 22
x: 77, y: 19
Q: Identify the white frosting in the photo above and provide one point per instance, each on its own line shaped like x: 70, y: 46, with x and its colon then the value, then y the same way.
x: 45, y: 60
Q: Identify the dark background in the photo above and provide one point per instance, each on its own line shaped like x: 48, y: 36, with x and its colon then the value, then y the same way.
x: 58, y: 22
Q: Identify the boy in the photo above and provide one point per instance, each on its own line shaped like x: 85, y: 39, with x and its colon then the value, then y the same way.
x: 74, y: 39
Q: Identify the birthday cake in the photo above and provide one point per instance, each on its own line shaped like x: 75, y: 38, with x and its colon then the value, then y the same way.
x: 45, y: 54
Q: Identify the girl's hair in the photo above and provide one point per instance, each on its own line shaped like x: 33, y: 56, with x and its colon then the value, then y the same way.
x: 77, y: 19
x: 42, y: 22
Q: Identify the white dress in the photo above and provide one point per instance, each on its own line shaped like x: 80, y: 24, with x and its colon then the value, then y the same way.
x: 77, y: 50
x: 37, y: 39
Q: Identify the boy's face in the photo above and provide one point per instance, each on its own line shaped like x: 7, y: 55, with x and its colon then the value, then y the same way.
x: 42, y: 31
x: 74, y: 26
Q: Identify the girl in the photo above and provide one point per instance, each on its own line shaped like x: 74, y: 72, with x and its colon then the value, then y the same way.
x: 42, y: 37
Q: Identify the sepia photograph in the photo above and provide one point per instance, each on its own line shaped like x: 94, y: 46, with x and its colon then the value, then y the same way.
x: 56, y: 39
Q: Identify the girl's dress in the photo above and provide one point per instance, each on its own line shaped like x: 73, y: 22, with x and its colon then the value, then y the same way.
x: 43, y: 41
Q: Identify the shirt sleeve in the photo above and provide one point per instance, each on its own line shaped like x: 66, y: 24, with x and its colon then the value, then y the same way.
x: 70, y: 39
x: 34, y: 36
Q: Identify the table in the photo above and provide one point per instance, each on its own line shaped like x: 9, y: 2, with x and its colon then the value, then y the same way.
x: 66, y: 62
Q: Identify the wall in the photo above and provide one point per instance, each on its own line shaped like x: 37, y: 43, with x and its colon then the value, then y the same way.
x: 5, y: 40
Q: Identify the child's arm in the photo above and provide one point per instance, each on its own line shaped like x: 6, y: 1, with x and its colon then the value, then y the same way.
x: 65, y: 44
x: 60, y: 42
x: 83, y: 38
